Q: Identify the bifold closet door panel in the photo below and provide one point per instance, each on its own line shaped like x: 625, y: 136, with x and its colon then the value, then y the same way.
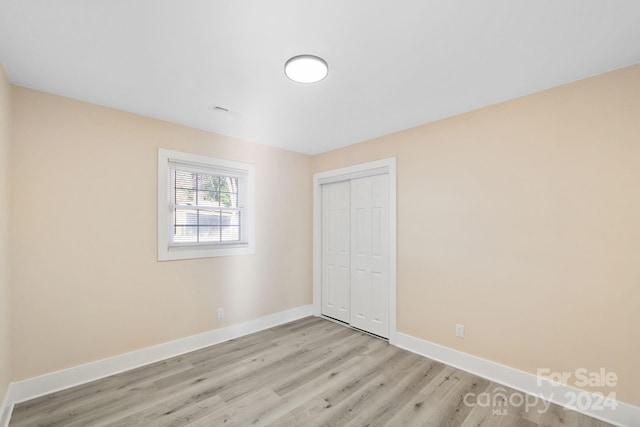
x: 370, y: 254
x: 336, y: 248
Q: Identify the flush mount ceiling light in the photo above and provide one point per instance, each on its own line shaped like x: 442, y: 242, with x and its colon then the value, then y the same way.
x: 306, y: 69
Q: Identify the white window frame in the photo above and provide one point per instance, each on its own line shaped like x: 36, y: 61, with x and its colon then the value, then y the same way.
x: 167, y: 252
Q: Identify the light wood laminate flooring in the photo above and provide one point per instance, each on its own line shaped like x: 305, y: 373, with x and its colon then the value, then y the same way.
x: 311, y: 372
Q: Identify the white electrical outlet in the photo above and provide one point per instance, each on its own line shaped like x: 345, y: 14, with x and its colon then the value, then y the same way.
x: 220, y: 313
x: 460, y: 330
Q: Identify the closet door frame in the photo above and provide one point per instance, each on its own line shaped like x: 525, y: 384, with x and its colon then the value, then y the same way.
x: 378, y: 167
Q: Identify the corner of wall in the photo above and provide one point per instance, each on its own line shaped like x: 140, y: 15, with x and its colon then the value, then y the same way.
x: 5, y: 273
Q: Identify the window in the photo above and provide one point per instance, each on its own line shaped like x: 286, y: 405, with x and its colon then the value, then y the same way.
x: 205, y: 206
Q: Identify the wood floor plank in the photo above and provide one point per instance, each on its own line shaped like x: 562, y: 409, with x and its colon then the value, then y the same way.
x: 241, y: 411
x: 438, y: 401
x: 367, y: 371
x: 296, y: 379
x: 173, y: 412
x: 500, y: 413
x: 378, y: 412
x: 95, y: 389
x: 390, y: 375
x: 311, y: 372
x: 308, y: 391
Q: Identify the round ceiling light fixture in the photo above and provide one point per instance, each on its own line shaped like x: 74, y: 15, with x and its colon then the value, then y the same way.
x: 306, y: 69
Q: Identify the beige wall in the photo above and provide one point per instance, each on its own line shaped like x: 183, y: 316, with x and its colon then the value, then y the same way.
x: 522, y: 221
x: 5, y: 182
x: 86, y: 283
x: 519, y: 220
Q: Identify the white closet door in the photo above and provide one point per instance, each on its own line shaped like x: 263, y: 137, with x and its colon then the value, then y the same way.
x: 370, y: 254
x: 336, y: 250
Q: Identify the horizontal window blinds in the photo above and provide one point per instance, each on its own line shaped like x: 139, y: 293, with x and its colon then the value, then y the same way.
x: 207, y: 204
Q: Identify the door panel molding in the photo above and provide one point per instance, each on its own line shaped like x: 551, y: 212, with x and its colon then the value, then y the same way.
x: 378, y: 167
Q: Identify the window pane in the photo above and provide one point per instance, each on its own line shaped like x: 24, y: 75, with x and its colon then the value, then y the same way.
x: 185, y: 180
x: 230, y: 218
x: 228, y: 184
x: 208, y: 193
x: 185, y: 234
x: 188, y: 217
x: 213, y: 190
x: 230, y: 233
x: 209, y: 234
x: 209, y: 217
x: 208, y: 198
x: 229, y: 199
x: 208, y: 182
x: 185, y: 196
x: 193, y: 225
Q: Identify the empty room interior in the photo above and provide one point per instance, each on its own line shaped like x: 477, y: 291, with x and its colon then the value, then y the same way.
x: 336, y: 213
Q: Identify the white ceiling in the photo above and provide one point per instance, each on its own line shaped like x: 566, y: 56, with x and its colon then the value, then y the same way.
x: 392, y: 64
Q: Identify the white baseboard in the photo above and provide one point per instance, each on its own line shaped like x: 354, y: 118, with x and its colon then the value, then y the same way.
x: 31, y: 388
x: 5, y: 409
x: 623, y: 415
